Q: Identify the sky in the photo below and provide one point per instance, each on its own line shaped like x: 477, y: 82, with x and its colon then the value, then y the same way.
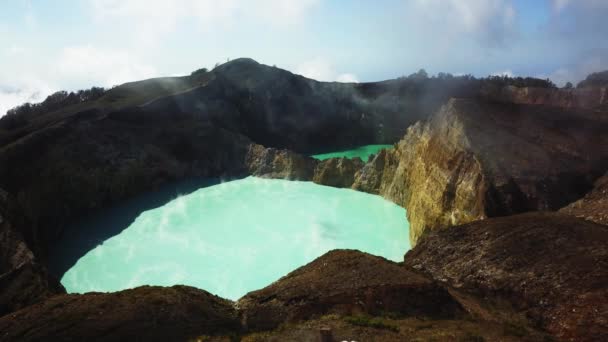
x: 47, y: 46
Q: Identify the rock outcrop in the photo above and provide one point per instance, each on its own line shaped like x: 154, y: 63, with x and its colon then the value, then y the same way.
x: 284, y: 164
x: 588, y: 97
x: 337, y: 172
x: 23, y: 281
x: 346, y: 283
x: 594, y: 206
x: 276, y: 163
x: 26, y: 284
x: 177, y: 313
x: 551, y: 266
x: 476, y: 159
x: 14, y: 251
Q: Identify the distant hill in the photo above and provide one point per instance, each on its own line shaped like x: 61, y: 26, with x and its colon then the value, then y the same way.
x: 273, y: 107
x: 597, y: 79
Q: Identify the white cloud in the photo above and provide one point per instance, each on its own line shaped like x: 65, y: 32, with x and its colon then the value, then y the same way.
x: 317, y: 69
x: 154, y: 18
x: 489, y: 21
x: 29, y: 18
x: 75, y: 67
x: 347, y: 78
x: 508, y: 73
x: 321, y: 70
x: 559, y: 5
x: 577, y: 72
x: 283, y: 12
x: 89, y: 65
x: 15, y: 50
x: 16, y: 94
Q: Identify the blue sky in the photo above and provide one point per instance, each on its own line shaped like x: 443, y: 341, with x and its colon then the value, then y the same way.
x: 67, y: 44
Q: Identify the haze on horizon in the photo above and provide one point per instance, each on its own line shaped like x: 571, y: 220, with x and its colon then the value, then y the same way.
x: 68, y: 45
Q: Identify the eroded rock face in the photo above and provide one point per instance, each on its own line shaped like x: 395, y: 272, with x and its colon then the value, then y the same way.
x: 337, y: 172
x: 175, y: 313
x: 23, y: 281
x: 345, y: 282
x: 285, y: 164
x: 26, y: 284
x: 475, y: 159
x: 551, y: 266
x: 594, y: 206
x: 276, y: 163
x: 588, y: 97
x: 13, y: 251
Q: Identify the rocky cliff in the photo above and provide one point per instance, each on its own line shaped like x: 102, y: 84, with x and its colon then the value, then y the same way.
x: 587, y: 97
x: 475, y: 159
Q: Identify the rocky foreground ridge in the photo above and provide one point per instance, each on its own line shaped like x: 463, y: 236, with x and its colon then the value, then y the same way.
x: 528, y: 277
x: 475, y: 159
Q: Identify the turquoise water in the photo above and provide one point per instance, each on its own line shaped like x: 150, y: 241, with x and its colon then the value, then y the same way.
x: 362, y: 152
x: 240, y: 236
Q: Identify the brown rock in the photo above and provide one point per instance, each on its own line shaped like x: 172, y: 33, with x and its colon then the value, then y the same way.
x: 285, y: 164
x: 588, y: 97
x: 552, y: 267
x: 345, y: 282
x: 145, y: 313
x: 25, y: 285
x: 378, y: 170
x: 276, y: 163
x: 337, y: 172
x: 594, y: 206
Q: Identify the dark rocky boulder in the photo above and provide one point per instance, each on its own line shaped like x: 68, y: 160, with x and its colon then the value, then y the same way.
x: 348, y: 283
x: 145, y: 313
x: 552, y: 267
